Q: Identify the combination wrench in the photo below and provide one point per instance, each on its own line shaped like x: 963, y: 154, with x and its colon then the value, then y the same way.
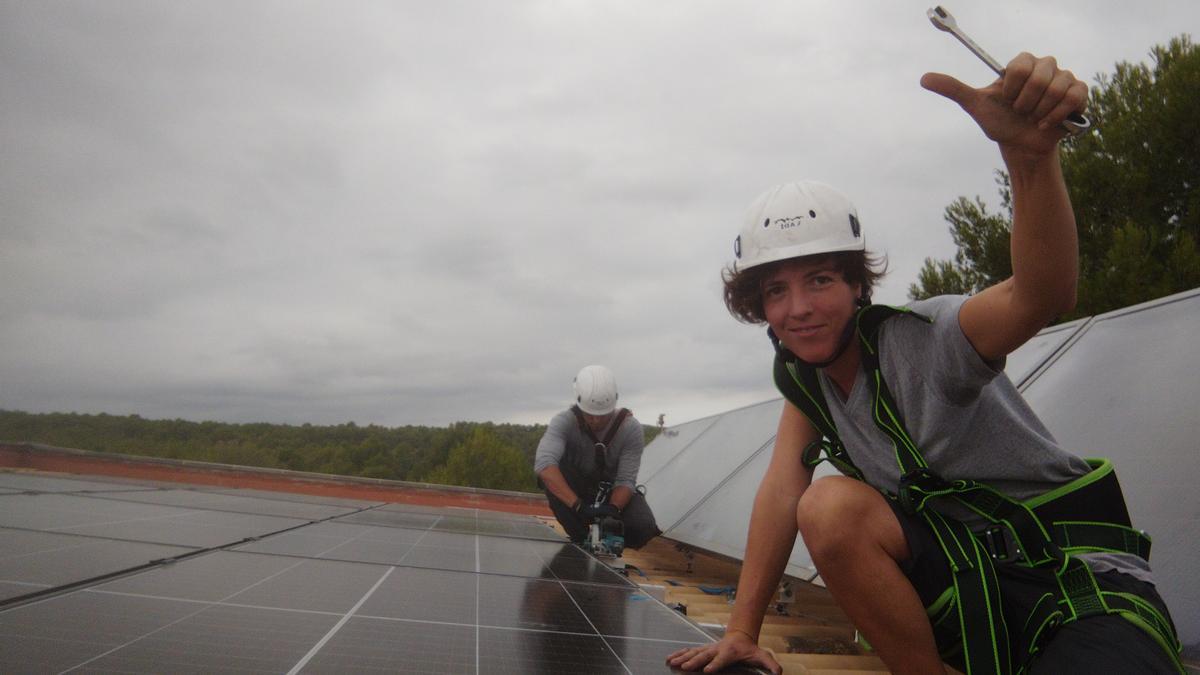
x: 1075, y: 123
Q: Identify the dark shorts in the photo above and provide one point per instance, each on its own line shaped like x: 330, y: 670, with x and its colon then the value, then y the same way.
x: 1099, y: 644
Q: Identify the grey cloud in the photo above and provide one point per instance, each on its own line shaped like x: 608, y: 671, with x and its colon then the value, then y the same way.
x: 425, y: 212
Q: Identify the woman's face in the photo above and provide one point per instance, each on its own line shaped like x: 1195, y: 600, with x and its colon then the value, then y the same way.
x: 807, y: 304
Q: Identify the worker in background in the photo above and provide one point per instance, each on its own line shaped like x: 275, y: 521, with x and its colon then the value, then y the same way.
x: 960, y: 529
x: 592, y: 443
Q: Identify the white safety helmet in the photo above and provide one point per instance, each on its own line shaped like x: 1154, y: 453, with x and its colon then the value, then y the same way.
x: 596, y: 390
x: 797, y: 219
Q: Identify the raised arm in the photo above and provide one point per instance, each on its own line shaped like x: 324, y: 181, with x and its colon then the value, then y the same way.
x: 768, y: 546
x: 1021, y: 112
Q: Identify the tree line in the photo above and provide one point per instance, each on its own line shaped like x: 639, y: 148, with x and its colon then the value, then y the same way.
x: 474, y: 454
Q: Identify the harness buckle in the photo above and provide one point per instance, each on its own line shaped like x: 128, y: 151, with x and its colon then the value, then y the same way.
x: 1001, y: 545
x: 922, y: 480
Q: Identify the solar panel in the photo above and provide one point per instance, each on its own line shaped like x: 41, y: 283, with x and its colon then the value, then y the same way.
x: 516, y: 652
x: 37, y: 483
x: 298, y: 497
x: 74, y: 630
x: 668, y: 444
x: 31, y: 561
x: 695, y: 471
x: 336, y: 541
x: 392, y: 518
x: 467, y: 521
x: 197, y: 499
x: 385, y: 589
x: 1021, y: 364
x: 379, y: 645
x: 719, y: 522
x: 1126, y: 388
x: 114, y: 519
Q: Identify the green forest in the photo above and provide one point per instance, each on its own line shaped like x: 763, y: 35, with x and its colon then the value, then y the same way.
x: 475, y: 454
x: 1132, y: 182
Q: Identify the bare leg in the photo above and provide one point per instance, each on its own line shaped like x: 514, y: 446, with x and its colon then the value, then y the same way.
x: 856, y: 543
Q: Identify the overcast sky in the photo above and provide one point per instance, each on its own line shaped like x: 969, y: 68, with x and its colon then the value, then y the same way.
x: 423, y: 212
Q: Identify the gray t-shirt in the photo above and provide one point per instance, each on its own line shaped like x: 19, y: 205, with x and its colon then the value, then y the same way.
x: 965, y: 415
x: 564, y: 443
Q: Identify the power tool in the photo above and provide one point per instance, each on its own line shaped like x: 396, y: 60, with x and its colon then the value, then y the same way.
x: 606, y: 535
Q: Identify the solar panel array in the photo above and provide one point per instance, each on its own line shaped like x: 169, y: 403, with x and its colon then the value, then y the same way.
x: 1122, y: 385
x: 102, y: 576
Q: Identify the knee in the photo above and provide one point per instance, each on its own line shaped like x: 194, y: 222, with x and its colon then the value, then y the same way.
x: 640, y: 536
x: 833, y: 516
x: 639, y: 524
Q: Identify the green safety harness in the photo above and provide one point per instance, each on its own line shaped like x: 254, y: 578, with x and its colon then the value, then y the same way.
x: 1046, y: 532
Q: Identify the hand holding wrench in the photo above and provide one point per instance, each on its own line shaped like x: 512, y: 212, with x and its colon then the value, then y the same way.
x: 1075, y: 123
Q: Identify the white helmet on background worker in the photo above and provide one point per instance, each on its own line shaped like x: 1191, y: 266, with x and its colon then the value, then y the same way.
x: 797, y: 219
x: 596, y: 390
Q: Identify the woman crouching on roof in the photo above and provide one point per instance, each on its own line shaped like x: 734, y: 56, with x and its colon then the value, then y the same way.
x: 956, y: 532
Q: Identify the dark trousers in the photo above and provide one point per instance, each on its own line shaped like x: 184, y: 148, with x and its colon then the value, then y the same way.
x: 637, y: 517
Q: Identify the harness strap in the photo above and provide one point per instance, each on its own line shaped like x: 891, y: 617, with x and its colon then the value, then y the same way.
x: 600, y: 464
x: 799, y: 385
x: 1023, y: 529
x: 1081, y: 597
x: 975, y: 586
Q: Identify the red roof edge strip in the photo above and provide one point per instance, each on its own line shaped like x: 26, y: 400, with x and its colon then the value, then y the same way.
x: 71, y: 461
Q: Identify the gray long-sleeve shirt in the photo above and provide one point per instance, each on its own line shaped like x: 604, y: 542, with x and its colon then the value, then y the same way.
x: 564, y: 443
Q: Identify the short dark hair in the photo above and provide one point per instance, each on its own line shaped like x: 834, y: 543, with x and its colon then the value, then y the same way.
x: 743, y: 289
